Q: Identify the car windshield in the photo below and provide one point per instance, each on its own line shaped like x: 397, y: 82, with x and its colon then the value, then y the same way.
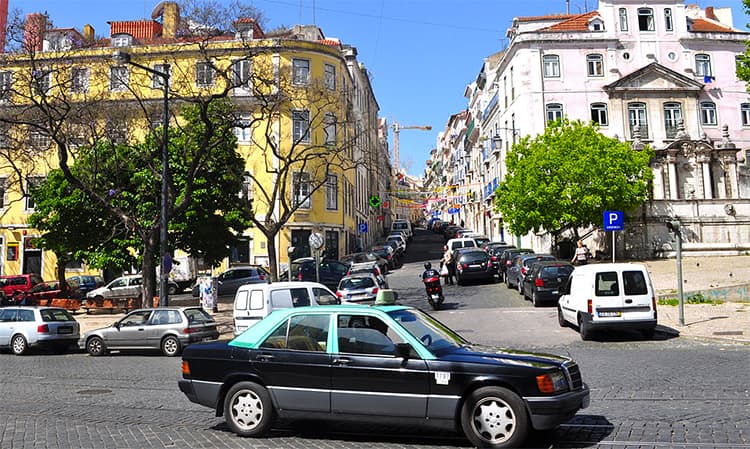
x: 198, y: 316
x: 355, y: 283
x: 49, y: 315
x: 433, y: 334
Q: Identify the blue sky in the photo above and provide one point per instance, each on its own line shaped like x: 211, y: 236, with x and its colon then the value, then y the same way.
x: 421, y: 53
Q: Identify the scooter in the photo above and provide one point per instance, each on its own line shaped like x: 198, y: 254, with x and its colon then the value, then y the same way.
x: 431, y: 279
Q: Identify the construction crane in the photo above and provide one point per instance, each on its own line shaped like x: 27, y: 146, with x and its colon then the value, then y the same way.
x: 396, y: 128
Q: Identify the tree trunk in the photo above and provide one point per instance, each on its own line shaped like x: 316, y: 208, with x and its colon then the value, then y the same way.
x: 272, y: 265
x: 148, y: 271
x: 62, y: 260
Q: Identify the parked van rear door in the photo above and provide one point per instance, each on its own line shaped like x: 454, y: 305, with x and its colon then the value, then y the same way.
x: 638, y: 295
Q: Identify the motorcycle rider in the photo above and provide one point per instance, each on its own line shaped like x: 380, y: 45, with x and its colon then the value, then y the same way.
x: 429, y: 271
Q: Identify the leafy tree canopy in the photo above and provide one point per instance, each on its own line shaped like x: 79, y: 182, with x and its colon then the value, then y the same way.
x: 568, y: 176
x: 743, y: 62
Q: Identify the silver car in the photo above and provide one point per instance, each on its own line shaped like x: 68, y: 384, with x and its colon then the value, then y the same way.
x: 359, y: 287
x: 24, y: 327
x: 168, y: 329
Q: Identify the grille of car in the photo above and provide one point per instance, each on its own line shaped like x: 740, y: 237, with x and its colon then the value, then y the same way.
x: 574, y: 375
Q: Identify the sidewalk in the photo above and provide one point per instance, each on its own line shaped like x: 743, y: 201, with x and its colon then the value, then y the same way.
x: 729, y: 321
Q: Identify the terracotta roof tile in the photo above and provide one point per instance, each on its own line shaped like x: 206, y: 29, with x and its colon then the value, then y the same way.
x: 579, y: 22
x: 330, y: 42
x: 547, y: 17
x: 139, y: 29
x: 703, y: 25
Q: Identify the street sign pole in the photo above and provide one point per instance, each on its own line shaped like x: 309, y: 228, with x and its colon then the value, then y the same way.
x: 613, y: 246
x: 614, y: 220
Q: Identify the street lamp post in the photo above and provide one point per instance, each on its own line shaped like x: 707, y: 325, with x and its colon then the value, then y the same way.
x: 124, y: 57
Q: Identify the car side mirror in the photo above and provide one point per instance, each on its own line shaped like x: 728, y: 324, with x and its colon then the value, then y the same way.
x: 117, y: 324
x: 403, y: 350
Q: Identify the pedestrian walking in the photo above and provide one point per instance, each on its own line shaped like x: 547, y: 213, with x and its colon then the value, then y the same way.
x: 581, y: 256
x: 448, y: 263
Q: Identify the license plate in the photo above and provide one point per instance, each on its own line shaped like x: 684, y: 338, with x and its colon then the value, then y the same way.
x: 554, y: 292
x: 475, y: 266
x: 609, y: 314
x: 64, y: 330
x: 435, y: 296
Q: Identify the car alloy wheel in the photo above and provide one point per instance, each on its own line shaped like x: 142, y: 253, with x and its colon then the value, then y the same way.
x: 560, y: 318
x: 95, y: 346
x: 248, y: 409
x: 494, y: 417
x: 170, y: 346
x: 18, y: 344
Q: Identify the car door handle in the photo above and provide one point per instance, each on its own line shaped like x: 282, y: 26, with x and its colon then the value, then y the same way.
x: 264, y: 357
x: 342, y: 361
x: 628, y: 301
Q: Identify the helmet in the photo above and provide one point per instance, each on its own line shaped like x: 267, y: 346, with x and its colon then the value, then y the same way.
x: 427, y: 265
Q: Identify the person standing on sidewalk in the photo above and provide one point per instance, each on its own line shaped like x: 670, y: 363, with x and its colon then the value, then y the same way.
x: 448, y: 262
x: 581, y: 256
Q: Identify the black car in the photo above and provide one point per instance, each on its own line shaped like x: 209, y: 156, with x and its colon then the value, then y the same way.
x: 473, y: 263
x: 229, y: 281
x: 330, y: 271
x: 386, y: 252
x: 379, y: 364
x: 506, y: 258
x: 541, y: 285
x: 520, y: 266
x: 82, y: 284
x: 495, y: 251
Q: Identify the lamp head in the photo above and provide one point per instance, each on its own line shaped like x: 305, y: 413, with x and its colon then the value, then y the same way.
x: 121, y: 56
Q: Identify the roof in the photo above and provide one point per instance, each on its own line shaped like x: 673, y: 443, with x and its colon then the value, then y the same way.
x: 708, y: 26
x: 578, y: 22
x: 545, y: 17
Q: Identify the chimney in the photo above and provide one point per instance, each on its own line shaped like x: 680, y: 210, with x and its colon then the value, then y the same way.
x: 710, y: 13
x: 170, y: 20
x: 88, y: 33
x: 3, y: 23
x: 33, y: 35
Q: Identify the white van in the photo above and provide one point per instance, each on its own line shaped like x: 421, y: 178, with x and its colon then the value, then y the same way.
x: 253, y: 302
x: 608, y: 296
x: 463, y: 242
x: 403, y: 225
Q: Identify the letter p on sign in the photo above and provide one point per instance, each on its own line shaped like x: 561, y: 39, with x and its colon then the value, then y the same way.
x: 614, y: 220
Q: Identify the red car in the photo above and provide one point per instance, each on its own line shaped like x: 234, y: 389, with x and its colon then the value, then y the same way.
x: 42, y: 290
x: 16, y: 284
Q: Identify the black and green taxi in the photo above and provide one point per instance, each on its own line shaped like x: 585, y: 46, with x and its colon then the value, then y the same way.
x: 379, y: 364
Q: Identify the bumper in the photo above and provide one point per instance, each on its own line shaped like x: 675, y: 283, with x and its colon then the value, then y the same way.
x: 620, y: 323
x: 203, y: 393
x: 549, y: 412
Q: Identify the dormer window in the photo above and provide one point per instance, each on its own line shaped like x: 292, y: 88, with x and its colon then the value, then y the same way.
x: 122, y: 40
x: 596, y: 25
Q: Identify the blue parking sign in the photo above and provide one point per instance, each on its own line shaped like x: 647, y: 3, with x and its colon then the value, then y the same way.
x: 614, y: 220
x: 362, y: 228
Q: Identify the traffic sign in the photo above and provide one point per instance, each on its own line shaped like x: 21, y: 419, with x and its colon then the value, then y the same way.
x: 362, y: 228
x: 614, y: 220
x: 453, y: 210
x: 315, y: 240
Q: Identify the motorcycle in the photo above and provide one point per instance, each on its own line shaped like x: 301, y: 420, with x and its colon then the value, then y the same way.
x: 431, y: 280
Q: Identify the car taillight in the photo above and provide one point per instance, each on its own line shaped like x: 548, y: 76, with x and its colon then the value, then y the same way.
x: 524, y: 270
x: 299, y: 276
x: 653, y: 304
x: 539, y: 282
x: 590, y: 307
x: 190, y: 330
x: 185, y: 368
x: 375, y: 291
x: 43, y: 329
x: 507, y: 263
x: 377, y: 271
x: 338, y: 294
x: 493, y: 258
x: 262, y: 277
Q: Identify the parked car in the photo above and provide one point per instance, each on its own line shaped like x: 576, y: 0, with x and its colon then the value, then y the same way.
x: 542, y: 284
x: 456, y: 243
x: 230, y: 280
x: 360, y: 287
x: 168, y: 329
x: 473, y: 263
x: 608, y: 296
x: 495, y: 252
x: 386, y: 252
x: 330, y: 271
x: 80, y: 285
x: 15, y: 284
x: 42, y: 290
x: 519, y: 266
x: 487, y: 246
x: 507, y: 257
x: 368, y: 268
x: 399, y: 238
x: 403, y: 225
x: 123, y: 287
x: 367, y: 257
x: 379, y: 364
x: 25, y: 327
x: 398, y: 250
x: 253, y: 302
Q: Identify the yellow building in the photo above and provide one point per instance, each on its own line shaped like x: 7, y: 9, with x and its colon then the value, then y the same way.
x: 304, y: 125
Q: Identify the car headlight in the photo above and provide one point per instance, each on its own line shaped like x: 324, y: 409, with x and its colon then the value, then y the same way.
x: 552, y: 382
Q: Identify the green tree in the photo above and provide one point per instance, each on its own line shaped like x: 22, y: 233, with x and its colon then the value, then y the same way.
x: 566, y: 177
x: 743, y: 61
x: 126, y: 232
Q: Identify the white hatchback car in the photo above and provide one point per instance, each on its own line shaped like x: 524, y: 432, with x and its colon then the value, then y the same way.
x: 24, y: 327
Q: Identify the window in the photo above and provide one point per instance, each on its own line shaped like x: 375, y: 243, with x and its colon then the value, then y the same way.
x: 118, y: 78
x: 41, y: 81
x: 243, y: 131
x: 361, y: 334
x: 116, y: 131
x: 599, y: 114
x: 634, y: 283
x: 79, y: 80
x: 595, y: 65
x: 121, y: 40
x: 300, y: 333
x: 606, y: 284
x: 745, y: 114
x: 672, y: 117
x: 551, y: 66
x: 597, y: 25
x: 703, y: 65
x: 623, y: 19
x: 38, y: 140
x: 32, y: 182
x: 554, y: 112
x: 204, y: 74
x: 332, y: 192
x: 645, y: 19
x: 330, y: 76
x: 301, y: 126
x: 708, y: 113
x: 6, y: 85
x: 637, y: 117
x: 330, y: 129
x: 3, y: 192
x: 300, y: 71
x: 241, y: 73
x: 157, y: 81
x: 668, y: 20
x: 301, y: 186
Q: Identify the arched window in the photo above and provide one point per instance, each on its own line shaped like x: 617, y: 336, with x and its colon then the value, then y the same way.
x: 703, y: 65
x: 623, y: 19
x: 646, y: 19
x: 551, y: 65
x: 595, y: 64
x: 637, y: 117
x: 708, y: 113
x: 668, y: 20
x: 599, y: 114
x: 672, y: 116
x: 554, y: 112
